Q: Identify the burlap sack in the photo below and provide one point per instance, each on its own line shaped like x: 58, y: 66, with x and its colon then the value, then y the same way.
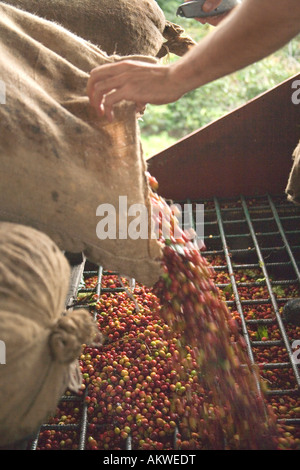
x: 42, y: 345
x: 59, y: 160
x: 293, y: 185
x: 123, y: 27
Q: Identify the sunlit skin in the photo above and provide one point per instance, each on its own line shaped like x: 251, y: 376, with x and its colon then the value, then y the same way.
x: 244, y: 37
x: 208, y: 6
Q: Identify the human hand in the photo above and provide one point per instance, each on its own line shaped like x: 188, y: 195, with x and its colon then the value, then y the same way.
x: 130, y: 80
x: 208, y: 6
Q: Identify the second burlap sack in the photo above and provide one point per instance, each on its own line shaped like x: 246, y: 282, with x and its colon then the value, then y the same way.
x: 123, y: 27
x: 42, y: 344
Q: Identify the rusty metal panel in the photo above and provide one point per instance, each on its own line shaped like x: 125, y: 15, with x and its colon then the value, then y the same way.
x: 248, y: 151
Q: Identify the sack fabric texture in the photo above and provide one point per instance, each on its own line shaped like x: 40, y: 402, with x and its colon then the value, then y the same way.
x: 42, y: 343
x: 123, y: 27
x: 59, y: 160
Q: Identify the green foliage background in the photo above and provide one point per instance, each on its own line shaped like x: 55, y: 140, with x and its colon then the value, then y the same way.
x: 162, y: 126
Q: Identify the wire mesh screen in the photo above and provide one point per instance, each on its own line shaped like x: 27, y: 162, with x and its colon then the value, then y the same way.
x: 253, y: 246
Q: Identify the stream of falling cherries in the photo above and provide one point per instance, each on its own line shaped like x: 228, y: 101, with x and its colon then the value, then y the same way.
x: 227, y: 410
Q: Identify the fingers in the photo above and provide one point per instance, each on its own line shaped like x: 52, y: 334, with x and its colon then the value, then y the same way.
x: 108, y: 102
x: 108, y: 85
x: 104, y: 82
x: 103, y: 72
x: 210, y: 5
x: 101, y: 89
x: 214, y: 20
x: 102, y: 79
x: 104, y: 100
x: 114, y: 97
x: 112, y: 75
x: 135, y: 81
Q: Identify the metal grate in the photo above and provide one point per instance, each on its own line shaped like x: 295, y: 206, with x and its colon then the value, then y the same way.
x: 253, y: 245
x: 260, y: 236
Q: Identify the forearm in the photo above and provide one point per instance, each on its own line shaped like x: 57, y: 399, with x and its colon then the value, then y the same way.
x: 256, y: 29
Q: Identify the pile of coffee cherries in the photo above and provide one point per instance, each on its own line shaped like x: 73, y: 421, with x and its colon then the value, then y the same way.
x: 174, y: 371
